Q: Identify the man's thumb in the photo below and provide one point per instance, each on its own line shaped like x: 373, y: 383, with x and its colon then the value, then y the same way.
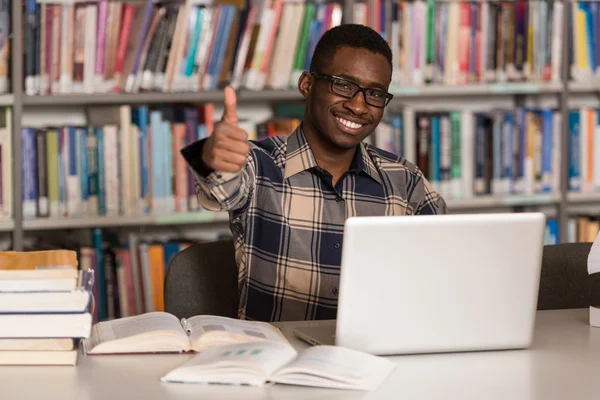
x: 230, y: 111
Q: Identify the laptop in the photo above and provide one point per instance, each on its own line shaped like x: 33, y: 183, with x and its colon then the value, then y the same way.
x: 434, y: 284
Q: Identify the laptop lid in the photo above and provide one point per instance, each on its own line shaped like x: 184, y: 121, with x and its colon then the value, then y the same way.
x: 439, y: 283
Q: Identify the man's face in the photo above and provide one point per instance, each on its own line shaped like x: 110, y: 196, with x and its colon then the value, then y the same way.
x: 340, y: 121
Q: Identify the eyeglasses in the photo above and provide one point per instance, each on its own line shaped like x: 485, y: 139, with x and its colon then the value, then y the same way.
x: 347, y: 89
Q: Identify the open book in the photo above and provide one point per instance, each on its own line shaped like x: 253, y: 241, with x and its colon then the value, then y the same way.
x: 160, y: 332
x: 259, y: 363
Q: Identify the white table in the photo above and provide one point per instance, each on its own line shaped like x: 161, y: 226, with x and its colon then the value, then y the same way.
x: 563, y: 363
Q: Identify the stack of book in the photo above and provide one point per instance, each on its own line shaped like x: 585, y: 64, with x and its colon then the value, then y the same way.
x: 44, y: 307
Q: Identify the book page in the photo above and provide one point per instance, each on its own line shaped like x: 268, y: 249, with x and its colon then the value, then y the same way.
x: 206, y: 331
x: 124, y: 334
x: 243, y: 363
x: 334, y: 366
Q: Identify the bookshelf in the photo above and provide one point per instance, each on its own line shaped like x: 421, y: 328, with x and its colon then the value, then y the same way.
x: 561, y: 91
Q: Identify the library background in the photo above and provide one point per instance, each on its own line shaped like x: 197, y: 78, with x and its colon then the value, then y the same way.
x: 496, y: 102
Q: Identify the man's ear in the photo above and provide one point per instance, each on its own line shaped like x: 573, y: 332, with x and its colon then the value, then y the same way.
x: 305, y: 84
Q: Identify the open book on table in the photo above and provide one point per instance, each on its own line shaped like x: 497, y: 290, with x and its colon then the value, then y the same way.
x: 160, y: 332
x: 260, y: 363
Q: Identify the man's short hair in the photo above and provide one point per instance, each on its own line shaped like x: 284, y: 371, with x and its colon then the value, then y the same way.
x: 351, y: 35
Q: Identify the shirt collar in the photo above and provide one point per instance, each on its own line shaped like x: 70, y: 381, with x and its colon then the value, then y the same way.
x: 299, y: 157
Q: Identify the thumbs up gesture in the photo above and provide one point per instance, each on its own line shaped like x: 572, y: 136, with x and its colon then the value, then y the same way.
x: 227, y: 148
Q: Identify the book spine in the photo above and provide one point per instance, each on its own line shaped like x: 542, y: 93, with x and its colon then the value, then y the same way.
x: 93, y: 166
x: 547, y: 150
x: 126, y: 25
x: 73, y: 181
x: 100, y: 274
x: 111, y: 163
x: 82, y: 169
x: 434, y: 158
x: 42, y: 184
x: 508, y: 130
x: 30, y: 39
x: 29, y: 173
x: 101, y: 163
x: 145, y: 159
x: 100, y: 45
x: 191, y: 121
x: 90, y: 47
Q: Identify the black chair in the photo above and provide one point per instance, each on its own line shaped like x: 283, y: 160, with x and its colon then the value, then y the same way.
x: 564, y: 281
x: 202, y: 279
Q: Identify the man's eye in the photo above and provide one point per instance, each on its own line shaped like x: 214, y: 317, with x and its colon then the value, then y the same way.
x: 378, y: 95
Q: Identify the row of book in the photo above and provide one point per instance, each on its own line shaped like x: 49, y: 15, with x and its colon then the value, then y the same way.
x: 135, y: 46
x: 584, y: 150
x: 465, y: 154
x: 131, y: 46
x: 583, y: 228
x: 460, y: 42
x: 579, y: 229
x: 130, y: 277
x: 44, y: 312
x: 126, y: 162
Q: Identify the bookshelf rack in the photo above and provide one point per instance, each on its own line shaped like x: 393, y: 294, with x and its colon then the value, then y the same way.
x: 19, y: 101
x: 202, y: 217
x: 584, y: 87
x: 505, y: 89
x: 6, y: 100
x: 7, y: 226
x: 244, y: 96
x: 582, y: 198
x: 504, y: 202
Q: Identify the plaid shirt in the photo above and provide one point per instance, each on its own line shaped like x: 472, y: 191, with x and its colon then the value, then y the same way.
x: 287, y: 219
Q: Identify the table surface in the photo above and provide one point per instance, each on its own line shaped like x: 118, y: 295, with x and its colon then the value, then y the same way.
x: 563, y: 363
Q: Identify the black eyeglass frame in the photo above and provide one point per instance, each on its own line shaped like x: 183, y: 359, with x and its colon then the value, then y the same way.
x: 333, y: 78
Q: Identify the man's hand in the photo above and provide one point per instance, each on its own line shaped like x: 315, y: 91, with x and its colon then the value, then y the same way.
x: 227, y: 148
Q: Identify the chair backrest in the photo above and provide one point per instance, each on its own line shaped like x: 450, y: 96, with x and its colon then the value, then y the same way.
x: 202, y: 279
x: 564, y: 281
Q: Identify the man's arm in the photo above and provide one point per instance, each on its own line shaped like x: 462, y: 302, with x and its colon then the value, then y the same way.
x: 219, y: 191
x: 222, y: 164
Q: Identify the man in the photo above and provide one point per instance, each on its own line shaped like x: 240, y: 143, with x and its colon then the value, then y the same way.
x: 288, y: 197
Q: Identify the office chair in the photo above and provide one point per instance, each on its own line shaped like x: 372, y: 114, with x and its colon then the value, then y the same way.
x: 564, y: 280
x: 202, y: 280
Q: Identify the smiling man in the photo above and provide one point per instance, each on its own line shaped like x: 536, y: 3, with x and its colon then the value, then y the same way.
x: 288, y: 197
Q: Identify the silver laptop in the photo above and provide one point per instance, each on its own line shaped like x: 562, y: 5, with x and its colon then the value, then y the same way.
x: 430, y: 284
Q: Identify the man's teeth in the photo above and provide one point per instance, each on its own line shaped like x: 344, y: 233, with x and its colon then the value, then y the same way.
x: 349, y: 124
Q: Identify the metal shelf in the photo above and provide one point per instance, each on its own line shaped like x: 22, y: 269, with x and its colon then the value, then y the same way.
x: 479, y: 89
x: 584, y: 87
x: 7, y: 225
x: 202, y: 217
x: 6, y: 100
x: 583, y: 197
x: 483, y: 202
x: 285, y: 95
x: 159, y: 98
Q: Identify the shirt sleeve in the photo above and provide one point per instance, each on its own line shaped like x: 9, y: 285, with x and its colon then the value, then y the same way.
x: 425, y: 200
x: 219, y: 191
